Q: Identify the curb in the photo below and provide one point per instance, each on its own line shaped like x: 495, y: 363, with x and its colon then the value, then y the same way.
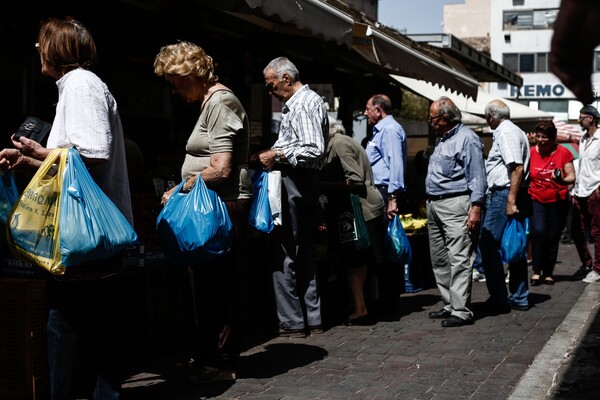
x: 544, y: 374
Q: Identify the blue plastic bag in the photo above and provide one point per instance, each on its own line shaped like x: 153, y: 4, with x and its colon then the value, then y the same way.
x: 91, y: 226
x: 514, y: 241
x: 194, y: 226
x: 8, y: 194
x: 260, y: 217
x: 396, y: 244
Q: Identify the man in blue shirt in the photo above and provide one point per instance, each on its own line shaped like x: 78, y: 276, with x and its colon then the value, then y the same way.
x: 387, y: 154
x: 455, y: 185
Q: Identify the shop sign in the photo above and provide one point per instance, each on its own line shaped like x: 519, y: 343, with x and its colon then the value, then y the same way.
x: 539, y: 90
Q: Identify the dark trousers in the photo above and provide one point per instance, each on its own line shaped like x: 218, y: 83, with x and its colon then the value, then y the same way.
x: 221, y: 295
x: 83, y: 338
x: 545, y: 228
x: 586, y: 215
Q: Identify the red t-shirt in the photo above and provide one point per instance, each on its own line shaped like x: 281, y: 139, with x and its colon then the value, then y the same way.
x: 542, y: 187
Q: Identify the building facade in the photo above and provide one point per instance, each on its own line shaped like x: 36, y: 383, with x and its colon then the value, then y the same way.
x: 520, y: 32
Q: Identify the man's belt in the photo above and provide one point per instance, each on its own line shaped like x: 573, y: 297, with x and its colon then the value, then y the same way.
x: 447, y: 196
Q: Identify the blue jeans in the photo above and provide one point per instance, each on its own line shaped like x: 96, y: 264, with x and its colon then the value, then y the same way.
x: 82, y: 339
x: 491, y: 236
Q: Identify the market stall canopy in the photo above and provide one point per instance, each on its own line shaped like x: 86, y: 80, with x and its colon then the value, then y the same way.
x: 315, y: 16
x: 386, y: 50
x: 518, y: 112
x: 403, y: 57
x: 566, y: 132
x: 572, y: 147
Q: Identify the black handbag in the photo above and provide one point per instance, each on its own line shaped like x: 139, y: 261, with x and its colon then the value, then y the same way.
x: 34, y: 129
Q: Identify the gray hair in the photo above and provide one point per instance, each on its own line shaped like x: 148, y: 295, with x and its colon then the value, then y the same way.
x: 447, y: 106
x: 282, y: 65
x: 498, y: 110
x: 335, y: 127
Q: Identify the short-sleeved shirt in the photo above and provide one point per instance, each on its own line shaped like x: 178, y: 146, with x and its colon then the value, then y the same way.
x: 510, y: 145
x: 457, y: 165
x: 542, y: 187
x: 588, y: 174
x: 222, y: 126
x: 387, y: 154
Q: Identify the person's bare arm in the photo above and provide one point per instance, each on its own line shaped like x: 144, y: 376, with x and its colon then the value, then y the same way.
x: 516, y: 172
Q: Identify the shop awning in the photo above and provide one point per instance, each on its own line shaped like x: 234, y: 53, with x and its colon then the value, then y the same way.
x: 518, y: 112
x: 566, y: 132
x: 403, y: 58
x: 573, y: 148
x: 315, y: 16
x: 389, y: 51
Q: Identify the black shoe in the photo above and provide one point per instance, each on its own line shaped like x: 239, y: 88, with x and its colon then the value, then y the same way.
x: 443, y: 313
x: 453, y: 321
x: 519, y: 308
x: 581, y: 273
x: 359, y: 321
x: 495, y: 308
x: 292, y: 333
x: 316, y: 329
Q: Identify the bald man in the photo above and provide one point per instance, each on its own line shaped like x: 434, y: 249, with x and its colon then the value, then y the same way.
x: 507, y: 170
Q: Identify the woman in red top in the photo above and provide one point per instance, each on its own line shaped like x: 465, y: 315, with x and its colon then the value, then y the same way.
x: 550, y: 171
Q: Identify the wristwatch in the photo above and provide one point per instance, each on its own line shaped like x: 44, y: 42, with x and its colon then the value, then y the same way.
x: 277, y: 155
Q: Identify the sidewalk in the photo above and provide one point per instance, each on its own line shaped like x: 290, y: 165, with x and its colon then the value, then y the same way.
x: 548, y: 352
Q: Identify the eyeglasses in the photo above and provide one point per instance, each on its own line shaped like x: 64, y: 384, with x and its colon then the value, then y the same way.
x: 269, y: 87
x: 582, y: 117
x: 431, y: 119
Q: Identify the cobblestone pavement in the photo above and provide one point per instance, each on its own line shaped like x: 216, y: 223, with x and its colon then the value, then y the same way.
x: 409, y: 356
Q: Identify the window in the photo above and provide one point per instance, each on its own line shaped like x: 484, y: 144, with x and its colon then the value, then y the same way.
x: 526, y: 62
x: 542, y: 62
x: 597, y: 61
x: 511, y: 61
x: 529, y: 19
x: 553, y: 106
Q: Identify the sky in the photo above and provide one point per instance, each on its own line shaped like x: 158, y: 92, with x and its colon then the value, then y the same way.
x: 414, y: 16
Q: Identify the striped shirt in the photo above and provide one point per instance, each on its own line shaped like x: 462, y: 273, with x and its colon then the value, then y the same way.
x: 304, y: 126
x: 510, y: 146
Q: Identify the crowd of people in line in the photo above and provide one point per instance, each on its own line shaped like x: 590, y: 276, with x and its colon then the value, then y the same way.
x: 470, y: 198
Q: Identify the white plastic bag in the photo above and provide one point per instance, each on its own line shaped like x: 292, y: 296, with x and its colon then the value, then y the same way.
x: 275, y: 195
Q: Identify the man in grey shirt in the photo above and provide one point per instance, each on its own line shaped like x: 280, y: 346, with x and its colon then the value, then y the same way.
x: 455, y: 185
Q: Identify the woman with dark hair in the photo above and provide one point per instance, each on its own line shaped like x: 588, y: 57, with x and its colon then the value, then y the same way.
x: 551, y: 170
x: 82, y: 333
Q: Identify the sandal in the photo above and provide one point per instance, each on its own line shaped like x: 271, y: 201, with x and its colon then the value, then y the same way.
x: 549, y: 280
x: 535, y: 280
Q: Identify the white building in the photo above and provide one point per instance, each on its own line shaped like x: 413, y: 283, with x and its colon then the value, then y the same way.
x: 520, y: 32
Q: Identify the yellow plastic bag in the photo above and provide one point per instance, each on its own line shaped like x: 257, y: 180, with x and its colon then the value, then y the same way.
x: 33, y: 221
